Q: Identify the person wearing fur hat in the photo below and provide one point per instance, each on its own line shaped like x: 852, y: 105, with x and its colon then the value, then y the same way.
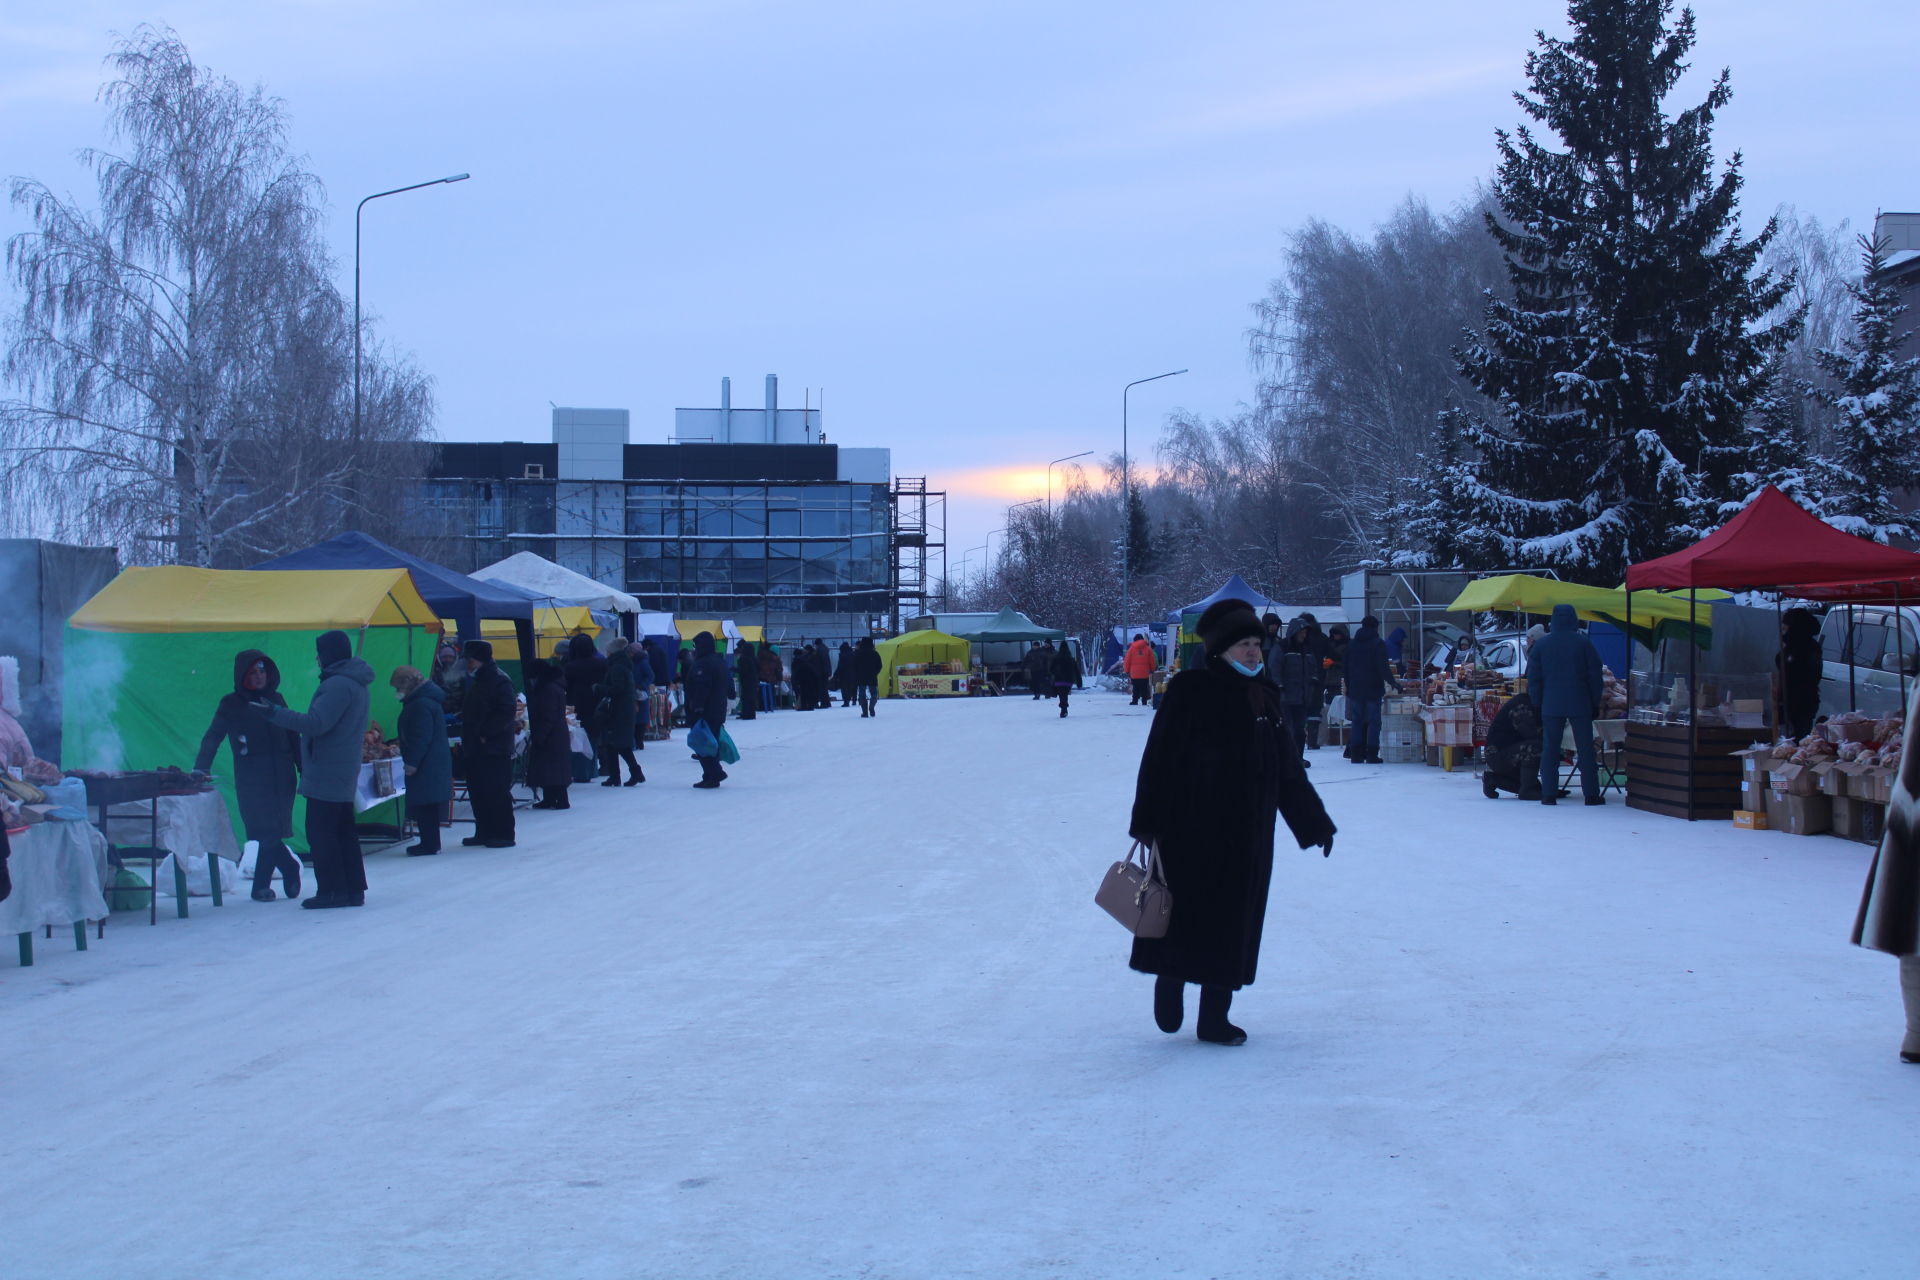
x: 1889, y: 917
x: 486, y: 747
x: 332, y: 734
x: 1217, y: 765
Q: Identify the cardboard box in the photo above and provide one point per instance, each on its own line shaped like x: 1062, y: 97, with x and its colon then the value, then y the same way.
x: 1833, y: 781
x: 1749, y: 820
x: 1875, y: 784
x: 1873, y: 821
x: 1754, y: 762
x: 1753, y: 794
x: 1801, y: 815
x: 1796, y: 780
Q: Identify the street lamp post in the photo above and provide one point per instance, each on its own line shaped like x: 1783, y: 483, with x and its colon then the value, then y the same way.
x: 458, y: 177
x: 1126, y: 500
x: 1057, y: 461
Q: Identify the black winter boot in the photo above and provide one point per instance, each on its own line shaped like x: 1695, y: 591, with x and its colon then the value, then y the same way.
x: 1212, y: 1025
x: 1169, y: 1003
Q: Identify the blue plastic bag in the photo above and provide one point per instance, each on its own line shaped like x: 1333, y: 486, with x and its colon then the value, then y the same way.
x: 700, y: 740
x: 729, y: 754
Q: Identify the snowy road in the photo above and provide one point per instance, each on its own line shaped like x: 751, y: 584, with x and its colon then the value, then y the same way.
x: 855, y: 1015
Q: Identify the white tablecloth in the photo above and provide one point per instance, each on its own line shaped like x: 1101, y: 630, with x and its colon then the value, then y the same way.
x: 366, y: 797
x: 57, y: 869
x: 195, y: 824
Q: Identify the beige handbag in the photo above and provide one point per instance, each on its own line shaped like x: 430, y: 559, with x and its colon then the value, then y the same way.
x: 1134, y: 892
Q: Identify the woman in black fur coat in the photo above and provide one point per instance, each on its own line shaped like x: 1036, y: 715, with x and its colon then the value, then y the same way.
x: 1218, y: 764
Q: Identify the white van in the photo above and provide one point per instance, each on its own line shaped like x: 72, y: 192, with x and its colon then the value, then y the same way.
x: 1883, y: 644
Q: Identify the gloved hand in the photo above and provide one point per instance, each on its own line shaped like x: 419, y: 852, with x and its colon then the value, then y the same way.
x: 1326, y: 847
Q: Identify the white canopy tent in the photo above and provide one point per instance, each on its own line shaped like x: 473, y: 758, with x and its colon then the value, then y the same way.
x: 558, y: 583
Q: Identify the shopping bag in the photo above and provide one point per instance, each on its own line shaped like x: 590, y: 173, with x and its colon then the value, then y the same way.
x: 199, y: 877
x: 700, y: 739
x: 729, y: 754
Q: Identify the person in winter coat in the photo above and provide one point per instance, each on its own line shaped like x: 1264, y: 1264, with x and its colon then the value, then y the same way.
x: 822, y: 673
x: 1319, y: 649
x: 746, y: 671
x: 844, y: 674
x: 1039, y: 663
x: 584, y: 671
x: 1334, y: 667
x: 425, y: 755
x: 332, y: 733
x: 265, y: 769
x: 642, y: 692
x: 1216, y: 767
x: 1065, y: 670
x: 549, y: 743
x: 1889, y: 917
x: 1271, y: 643
x: 486, y: 747
x: 617, y: 695
x: 1563, y: 675
x: 1295, y: 675
x: 864, y: 672
x: 1367, y: 680
x: 1139, y: 664
x: 1513, y: 751
x: 772, y: 672
x: 682, y: 666
x: 707, y: 682
x: 1798, y: 669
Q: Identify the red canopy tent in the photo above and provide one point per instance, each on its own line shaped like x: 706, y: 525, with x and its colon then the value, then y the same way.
x: 1775, y: 545
x: 1772, y: 545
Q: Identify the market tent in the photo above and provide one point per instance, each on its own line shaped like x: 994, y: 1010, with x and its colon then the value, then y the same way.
x: 460, y: 600
x: 558, y: 583
x: 915, y: 647
x: 1654, y: 616
x: 1776, y: 545
x: 1009, y: 625
x: 151, y: 654
x: 551, y: 625
x: 723, y: 633
x: 1234, y: 588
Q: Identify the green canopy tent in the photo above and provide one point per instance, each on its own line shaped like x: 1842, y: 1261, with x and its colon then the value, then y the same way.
x: 150, y: 655
x: 1010, y: 626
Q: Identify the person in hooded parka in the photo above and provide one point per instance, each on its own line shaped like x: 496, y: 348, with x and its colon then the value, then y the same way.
x: 266, y: 769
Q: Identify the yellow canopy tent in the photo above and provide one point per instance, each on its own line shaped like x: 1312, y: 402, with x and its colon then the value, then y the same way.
x: 178, y: 598
x: 551, y: 625
x: 1654, y: 616
x: 691, y: 627
x: 149, y: 657
x: 918, y: 647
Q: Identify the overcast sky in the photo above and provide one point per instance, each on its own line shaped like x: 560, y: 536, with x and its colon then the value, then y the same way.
x: 968, y: 224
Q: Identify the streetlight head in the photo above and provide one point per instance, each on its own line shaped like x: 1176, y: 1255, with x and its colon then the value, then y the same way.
x: 458, y: 177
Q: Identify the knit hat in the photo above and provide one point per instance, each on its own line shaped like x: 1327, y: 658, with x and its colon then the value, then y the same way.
x: 619, y: 643
x: 477, y: 649
x: 1225, y: 622
x: 333, y: 646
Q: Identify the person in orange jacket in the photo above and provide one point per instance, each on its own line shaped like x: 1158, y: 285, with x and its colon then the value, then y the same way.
x: 1139, y: 664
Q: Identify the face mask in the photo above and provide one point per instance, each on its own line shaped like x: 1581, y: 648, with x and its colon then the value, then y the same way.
x: 1247, y: 671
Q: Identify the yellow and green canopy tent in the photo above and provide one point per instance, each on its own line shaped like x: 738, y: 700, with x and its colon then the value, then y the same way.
x: 150, y: 656
x: 1655, y: 616
x: 551, y: 625
x: 691, y: 627
x: 917, y: 647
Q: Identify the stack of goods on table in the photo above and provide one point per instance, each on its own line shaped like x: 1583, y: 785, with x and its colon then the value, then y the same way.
x: 1837, y: 779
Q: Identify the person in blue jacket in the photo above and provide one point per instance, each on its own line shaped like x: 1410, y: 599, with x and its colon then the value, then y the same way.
x: 1367, y: 677
x: 1563, y: 676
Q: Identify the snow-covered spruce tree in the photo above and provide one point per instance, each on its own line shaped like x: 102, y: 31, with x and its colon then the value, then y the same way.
x: 1779, y: 447
x: 1873, y: 446
x: 1622, y: 371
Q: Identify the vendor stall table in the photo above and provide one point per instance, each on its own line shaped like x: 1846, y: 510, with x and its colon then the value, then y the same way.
x: 186, y: 825
x: 1684, y: 771
x: 57, y: 869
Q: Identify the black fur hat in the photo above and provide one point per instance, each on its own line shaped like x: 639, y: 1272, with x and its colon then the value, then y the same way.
x: 1225, y: 622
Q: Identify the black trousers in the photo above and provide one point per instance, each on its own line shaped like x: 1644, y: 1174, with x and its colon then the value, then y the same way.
x: 428, y: 817
x: 1296, y: 717
x: 273, y: 855
x: 490, y: 789
x: 610, y: 764
x: 334, y: 842
x: 1142, y: 692
x: 1066, y: 691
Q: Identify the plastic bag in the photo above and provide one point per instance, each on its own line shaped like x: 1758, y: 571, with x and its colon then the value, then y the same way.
x: 729, y: 754
x: 700, y: 739
x: 199, y: 882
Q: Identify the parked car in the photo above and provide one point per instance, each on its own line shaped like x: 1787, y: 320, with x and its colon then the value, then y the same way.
x: 1867, y: 651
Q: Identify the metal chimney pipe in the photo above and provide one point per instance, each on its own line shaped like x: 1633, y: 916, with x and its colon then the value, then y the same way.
x: 725, y: 434
x: 773, y: 409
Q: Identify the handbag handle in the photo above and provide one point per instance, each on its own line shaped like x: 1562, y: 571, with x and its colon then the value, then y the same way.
x: 1148, y: 860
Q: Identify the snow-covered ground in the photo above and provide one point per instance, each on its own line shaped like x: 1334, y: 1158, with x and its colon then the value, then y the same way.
x: 855, y: 1014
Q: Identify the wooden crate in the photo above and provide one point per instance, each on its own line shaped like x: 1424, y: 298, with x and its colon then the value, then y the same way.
x: 1685, y: 772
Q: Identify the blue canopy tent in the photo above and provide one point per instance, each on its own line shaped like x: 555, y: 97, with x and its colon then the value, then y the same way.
x: 1234, y: 588
x: 456, y: 599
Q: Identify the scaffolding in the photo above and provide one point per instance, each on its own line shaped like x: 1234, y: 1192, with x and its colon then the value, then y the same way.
x: 919, y: 536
